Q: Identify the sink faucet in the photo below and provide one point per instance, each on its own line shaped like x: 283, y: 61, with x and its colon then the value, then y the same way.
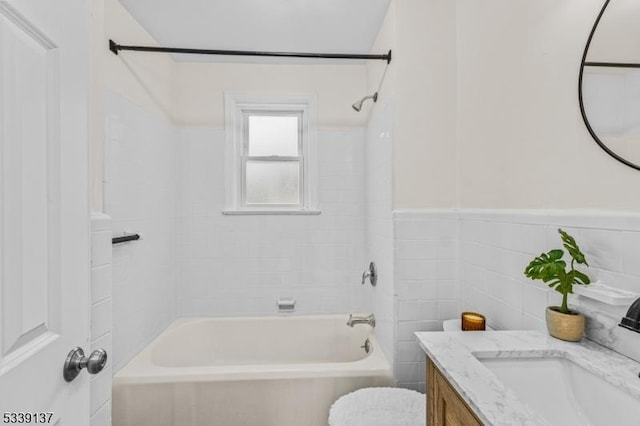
x: 631, y: 321
x: 370, y: 319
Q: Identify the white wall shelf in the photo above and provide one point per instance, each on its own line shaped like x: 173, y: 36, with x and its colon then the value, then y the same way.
x: 605, y: 294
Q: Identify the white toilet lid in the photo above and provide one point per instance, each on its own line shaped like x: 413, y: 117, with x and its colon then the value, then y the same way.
x: 451, y: 325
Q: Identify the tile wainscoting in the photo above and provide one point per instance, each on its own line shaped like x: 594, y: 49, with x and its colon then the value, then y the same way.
x: 447, y: 261
x: 426, y: 285
x: 495, y: 247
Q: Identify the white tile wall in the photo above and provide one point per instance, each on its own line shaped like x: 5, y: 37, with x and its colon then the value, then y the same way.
x: 448, y: 261
x: 239, y: 265
x: 379, y: 222
x: 495, y: 247
x: 167, y: 184
x: 101, y: 321
x: 426, y: 279
x: 141, y: 185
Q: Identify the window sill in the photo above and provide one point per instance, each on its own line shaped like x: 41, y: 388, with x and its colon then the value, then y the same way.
x: 270, y: 212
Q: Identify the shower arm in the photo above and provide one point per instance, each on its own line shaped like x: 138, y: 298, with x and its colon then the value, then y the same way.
x: 358, y: 104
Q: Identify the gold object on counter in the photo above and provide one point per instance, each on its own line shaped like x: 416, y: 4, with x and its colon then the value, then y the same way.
x: 473, y: 321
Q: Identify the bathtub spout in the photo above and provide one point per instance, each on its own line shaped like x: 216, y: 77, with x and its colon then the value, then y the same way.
x: 370, y: 319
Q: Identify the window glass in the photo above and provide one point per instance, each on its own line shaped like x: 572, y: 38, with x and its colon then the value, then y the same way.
x: 271, y: 154
x: 272, y: 182
x: 273, y: 135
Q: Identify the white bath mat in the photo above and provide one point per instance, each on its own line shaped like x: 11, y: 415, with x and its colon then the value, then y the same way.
x: 379, y: 407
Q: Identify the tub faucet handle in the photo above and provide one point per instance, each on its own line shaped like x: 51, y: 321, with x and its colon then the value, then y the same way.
x: 370, y: 273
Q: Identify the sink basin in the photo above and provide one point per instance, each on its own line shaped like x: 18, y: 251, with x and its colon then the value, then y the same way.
x: 564, y: 393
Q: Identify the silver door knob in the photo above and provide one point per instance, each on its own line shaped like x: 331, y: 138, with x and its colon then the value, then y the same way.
x: 76, y: 361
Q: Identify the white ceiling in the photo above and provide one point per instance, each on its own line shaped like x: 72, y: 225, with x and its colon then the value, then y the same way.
x: 333, y: 26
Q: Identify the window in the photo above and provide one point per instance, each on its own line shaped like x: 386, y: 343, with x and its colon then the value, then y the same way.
x: 270, y: 154
x: 272, y: 159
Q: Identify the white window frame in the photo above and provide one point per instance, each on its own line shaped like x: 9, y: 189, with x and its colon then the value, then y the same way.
x: 238, y: 106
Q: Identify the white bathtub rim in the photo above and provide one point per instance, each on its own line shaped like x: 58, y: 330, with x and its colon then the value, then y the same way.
x: 142, y: 370
x: 249, y: 374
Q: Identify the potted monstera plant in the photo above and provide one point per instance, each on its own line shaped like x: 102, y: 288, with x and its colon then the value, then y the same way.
x: 562, y: 322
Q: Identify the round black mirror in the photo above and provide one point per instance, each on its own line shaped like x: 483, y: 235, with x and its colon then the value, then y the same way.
x: 609, y: 82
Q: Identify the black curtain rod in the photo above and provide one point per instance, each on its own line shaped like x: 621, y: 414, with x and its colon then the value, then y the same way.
x: 115, y: 48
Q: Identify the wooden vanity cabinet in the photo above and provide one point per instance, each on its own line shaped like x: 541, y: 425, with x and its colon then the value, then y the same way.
x: 444, y: 406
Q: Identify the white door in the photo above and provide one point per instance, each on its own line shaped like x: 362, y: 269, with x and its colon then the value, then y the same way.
x: 44, y: 214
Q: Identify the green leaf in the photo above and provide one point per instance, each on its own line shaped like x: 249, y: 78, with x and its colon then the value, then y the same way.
x: 572, y: 247
x: 554, y: 283
x: 552, y: 270
x: 547, y: 266
x: 581, y: 278
x: 561, y: 290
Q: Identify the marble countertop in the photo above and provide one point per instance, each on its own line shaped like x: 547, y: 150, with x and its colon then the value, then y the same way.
x: 455, y: 354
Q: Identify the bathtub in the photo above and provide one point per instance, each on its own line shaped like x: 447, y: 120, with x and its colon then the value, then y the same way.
x: 247, y: 371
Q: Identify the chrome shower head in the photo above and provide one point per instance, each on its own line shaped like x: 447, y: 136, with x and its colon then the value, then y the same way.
x: 358, y: 105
